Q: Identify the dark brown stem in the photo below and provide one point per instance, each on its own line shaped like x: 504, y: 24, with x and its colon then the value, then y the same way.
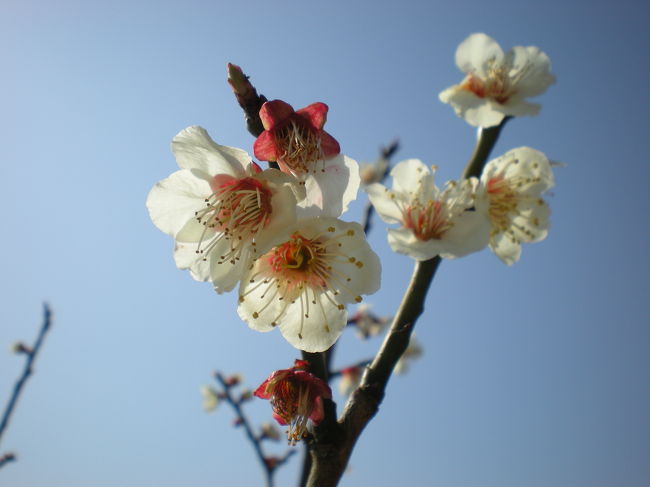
x: 31, y: 354
x: 331, y: 452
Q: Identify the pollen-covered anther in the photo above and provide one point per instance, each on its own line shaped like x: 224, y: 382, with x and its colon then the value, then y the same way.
x: 300, y: 147
x: 311, y: 277
x: 237, y: 210
x: 429, y: 220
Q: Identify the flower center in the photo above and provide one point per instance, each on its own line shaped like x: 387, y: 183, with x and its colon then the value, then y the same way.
x: 300, y: 261
x: 503, y: 203
x: 427, y: 221
x: 237, y: 210
x: 496, y: 85
x: 299, y: 146
x: 309, y: 272
x: 292, y: 402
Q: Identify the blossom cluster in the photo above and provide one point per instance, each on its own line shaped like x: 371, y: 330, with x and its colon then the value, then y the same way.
x: 274, y: 232
x: 502, y: 209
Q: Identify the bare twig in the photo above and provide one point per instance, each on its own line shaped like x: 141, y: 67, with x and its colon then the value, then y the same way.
x: 269, y: 464
x: 386, y: 153
x: 31, y: 354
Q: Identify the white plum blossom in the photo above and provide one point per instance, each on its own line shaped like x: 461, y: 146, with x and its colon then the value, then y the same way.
x: 218, y: 207
x: 509, y: 195
x: 497, y: 84
x: 433, y: 222
x: 304, y: 282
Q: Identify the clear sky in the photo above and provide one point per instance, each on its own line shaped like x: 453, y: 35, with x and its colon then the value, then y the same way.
x: 534, y: 376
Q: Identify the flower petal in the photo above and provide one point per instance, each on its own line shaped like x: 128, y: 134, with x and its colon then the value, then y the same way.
x: 265, y: 148
x: 330, y: 190
x: 274, y: 113
x: 505, y: 248
x: 173, y: 201
x: 385, y: 203
x: 531, y: 70
x: 477, y: 53
x: 194, y: 149
x: 329, y: 145
x: 186, y: 258
x: 315, y: 114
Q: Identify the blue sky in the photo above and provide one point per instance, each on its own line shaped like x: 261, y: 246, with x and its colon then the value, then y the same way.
x: 534, y: 375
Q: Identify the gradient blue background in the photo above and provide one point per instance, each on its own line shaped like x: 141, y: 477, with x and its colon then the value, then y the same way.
x: 534, y: 376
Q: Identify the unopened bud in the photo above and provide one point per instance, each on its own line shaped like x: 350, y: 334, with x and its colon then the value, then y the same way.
x: 20, y: 347
x: 246, y: 395
x: 233, y: 380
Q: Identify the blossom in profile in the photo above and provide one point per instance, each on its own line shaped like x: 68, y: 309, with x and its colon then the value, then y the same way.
x: 497, y: 84
x: 218, y: 206
x: 433, y: 221
x: 296, y: 396
x: 510, y: 197
x: 302, y: 284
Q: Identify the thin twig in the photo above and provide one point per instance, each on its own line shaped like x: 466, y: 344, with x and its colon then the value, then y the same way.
x: 268, y: 466
x: 31, y: 354
x: 386, y: 153
x: 330, y: 454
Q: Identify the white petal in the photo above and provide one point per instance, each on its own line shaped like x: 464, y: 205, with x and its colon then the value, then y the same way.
x: 318, y: 332
x: 476, y: 53
x: 470, y: 233
x: 408, y: 174
x: 226, y: 275
x: 359, y: 270
x: 479, y: 112
x: 194, y: 231
x: 530, y: 70
x: 186, y: 258
x: 331, y: 188
x: 505, y: 248
x: 385, y: 203
x: 194, y: 149
x: 403, y: 241
x: 173, y: 201
x: 517, y: 107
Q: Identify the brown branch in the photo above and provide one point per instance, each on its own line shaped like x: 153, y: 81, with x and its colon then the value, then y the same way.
x: 332, y: 449
x: 31, y: 354
x: 386, y: 153
x: 332, y: 442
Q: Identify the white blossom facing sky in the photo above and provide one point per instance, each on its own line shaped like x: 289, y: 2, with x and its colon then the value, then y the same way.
x: 304, y: 282
x: 497, y: 84
x: 432, y: 221
x: 219, y: 207
x: 510, y: 196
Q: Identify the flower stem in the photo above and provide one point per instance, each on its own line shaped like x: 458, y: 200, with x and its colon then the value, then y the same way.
x: 329, y: 458
x: 27, y: 372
